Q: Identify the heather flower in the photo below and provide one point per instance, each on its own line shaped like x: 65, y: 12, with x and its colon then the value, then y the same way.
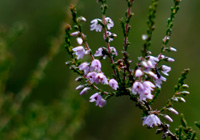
x: 79, y: 40
x: 80, y: 87
x: 173, y: 110
x: 85, y: 90
x: 169, y: 59
x: 148, y: 85
x: 95, y: 65
x: 150, y: 63
x: 146, y: 94
x: 99, y: 52
x: 158, y: 81
x: 153, y: 75
x: 138, y: 73
x: 79, y: 51
x: 101, y: 78
x: 110, y: 36
x: 172, y: 49
x: 84, y: 66
x: 151, y: 121
x: 113, y: 84
x: 109, y: 22
x: 137, y: 87
x: 95, y: 25
x: 165, y: 69
x: 98, y: 99
x: 167, y: 117
x: 113, y: 51
x: 91, y: 76
x: 75, y: 33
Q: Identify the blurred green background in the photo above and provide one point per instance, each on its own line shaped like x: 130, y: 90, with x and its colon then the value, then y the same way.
x: 54, y: 110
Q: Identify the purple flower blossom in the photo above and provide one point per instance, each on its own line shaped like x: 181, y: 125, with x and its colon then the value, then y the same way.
x: 95, y: 25
x: 151, y: 121
x: 146, y: 93
x: 99, y: 52
x: 158, y: 81
x: 165, y: 69
x: 91, y: 76
x: 143, y: 89
x: 79, y: 40
x: 84, y: 66
x: 98, y: 99
x: 113, y: 83
x: 148, y: 85
x: 138, y: 73
x: 113, y: 51
x: 110, y: 36
x: 137, y: 87
x: 79, y: 51
x: 150, y: 63
x: 153, y: 75
x: 101, y: 78
x: 110, y: 23
x: 95, y: 65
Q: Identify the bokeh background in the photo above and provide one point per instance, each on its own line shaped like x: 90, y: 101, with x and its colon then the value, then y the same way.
x: 32, y: 47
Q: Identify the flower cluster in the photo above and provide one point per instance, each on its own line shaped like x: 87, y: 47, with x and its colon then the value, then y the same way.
x: 141, y: 82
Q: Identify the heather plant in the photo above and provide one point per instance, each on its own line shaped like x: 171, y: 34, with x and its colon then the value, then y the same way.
x: 141, y: 80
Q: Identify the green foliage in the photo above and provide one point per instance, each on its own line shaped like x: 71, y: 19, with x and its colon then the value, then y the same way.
x: 60, y: 120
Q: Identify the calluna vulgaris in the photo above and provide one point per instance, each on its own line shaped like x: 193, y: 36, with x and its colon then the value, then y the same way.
x: 142, y: 82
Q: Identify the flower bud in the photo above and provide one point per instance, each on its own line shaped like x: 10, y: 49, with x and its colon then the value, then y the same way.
x: 169, y: 59
x: 79, y: 40
x: 81, y: 18
x: 185, y: 86
x: 173, y: 110
x: 75, y: 33
x: 181, y: 99
x: 172, y: 49
x: 144, y: 37
x: 85, y: 90
x: 185, y: 92
x: 80, y: 87
x: 138, y: 73
x: 167, y: 117
x: 79, y: 78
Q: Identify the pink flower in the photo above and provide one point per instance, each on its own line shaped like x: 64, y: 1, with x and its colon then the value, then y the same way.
x: 84, y: 66
x: 95, y: 65
x: 101, y: 78
x: 158, y: 81
x: 113, y: 83
x: 95, y: 25
x: 99, y: 52
x: 113, y: 51
x: 137, y: 87
x: 98, y: 99
x: 79, y: 51
x: 110, y: 23
x: 151, y: 120
x: 91, y: 76
x: 138, y: 73
x: 165, y: 69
